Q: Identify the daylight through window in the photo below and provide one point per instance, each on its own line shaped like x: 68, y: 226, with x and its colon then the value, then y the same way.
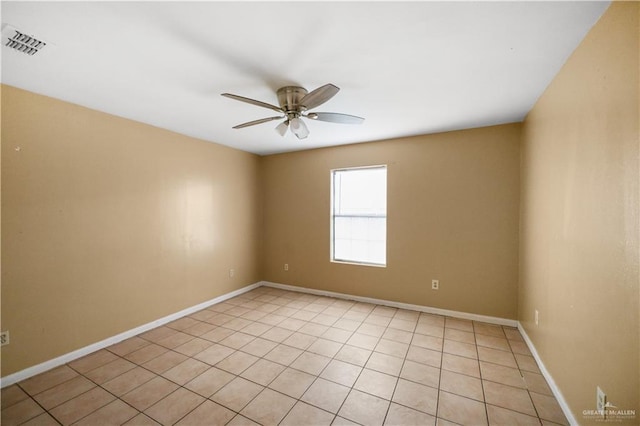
x: 359, y: 215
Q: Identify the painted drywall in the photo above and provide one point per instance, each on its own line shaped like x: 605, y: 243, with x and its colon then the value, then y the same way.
x: 452, y: 207
x: 580, y: 217
x: 109, y: 224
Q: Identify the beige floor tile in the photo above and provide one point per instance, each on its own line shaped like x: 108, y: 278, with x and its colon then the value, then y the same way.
x: 20, y: 412
x: 355, y: 316
x: 300, y: 340
x: 424, y: 356
x: 237, y: 362
x: 49, y: 379
x: 114, y: 413
x: 519, y: 347
x: 508, y: 397
x: 341, y: 372
x: 164, y: 362
x: 292, y: 382
x: 182, y: 323
x: 146, y: 353
x: 127, y: 346
x: 193, y: 347
x: 497, y: 356
x: 305, y: 414
x: 536, y: 383
x: 304, y: 315
x: 259, y: 347
x: 283, y: 354
x: 214, y: 354
x: 414, y: 395
x: 263, y: 372
x: 43, y: 419
x: 253, y: 315
x: 292, y: 324
x: 12, y: 395
x: 237, y: 340
x: 501, y: 374
x: 173, y: 407
x: 82, y: 405
x: 207, y: 414
x: 378, y: 320
x: 353, y: 355
x: 431, y: 319
x: 175, y: 340
x: 461, y: 410
x: 396, y: 335
x: 347, y: 324
x: 428, y: 342
x: 110, y: 370
x: 313, y: 329
x: 459, y: 324
x: 430, y: 330
x: 459, y: 336
x: 385, y: 363
x: 460, y: 364
x: 128, y: 381
x: 64, y: 392
x: 461, y: 349
x: 363, y: 341
x: 337, y: 335
x: 277, y: 334
x: 385, y: 311
x: 324, y: 319
x: 141, y: 420
x: 420, y: 373
x: 158, y: 333
x: 325, y: 347
x: 390, y: 347
x: 237, y: 311
x: 376, y: 383
x: 364, y: 408
x: 462, y: 385
x: 513, y: 334
x: 202, y: 315
x: 501, y: 416
x: 341, y: 421
x: 371, y: 330
x: 217, y: 334
x: 237, y: 324
x: 407, y: 314
x: 186, y: 371
x: 269, y: 407
x: 147, y: 394
x: 310, y: 363
x: 493, y: 342
x: 527, y: 363
x: 548, y: 408
x: 209, y: 382
x: 399, y: 415
x: 240, y: 420
x: 92, y: 361
x: 488, y: 329
x: 237, y: 393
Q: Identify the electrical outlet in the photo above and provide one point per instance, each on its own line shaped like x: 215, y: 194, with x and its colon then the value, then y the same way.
x: 435, y: 284
x: 286, y: 266
x: 232, y: 273
x: 4, y: 338
x: 536, y: 316
x: 601, y: 400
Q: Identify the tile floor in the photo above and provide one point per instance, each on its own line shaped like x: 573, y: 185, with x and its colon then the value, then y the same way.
x: 278, y: 357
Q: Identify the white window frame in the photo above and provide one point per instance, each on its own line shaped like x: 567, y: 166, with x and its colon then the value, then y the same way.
x: 332, y: 218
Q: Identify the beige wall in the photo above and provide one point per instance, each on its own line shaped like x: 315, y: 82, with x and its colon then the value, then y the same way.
x: 580, y: 218
x: 452, y: 215
x: 109, y: 224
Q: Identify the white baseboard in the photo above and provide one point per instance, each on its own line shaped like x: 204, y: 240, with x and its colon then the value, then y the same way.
x: 420, y: 308
x: 552, y: 384
x: 79, y: 353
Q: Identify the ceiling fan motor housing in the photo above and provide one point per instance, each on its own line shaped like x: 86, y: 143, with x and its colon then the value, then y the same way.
x: 289, y: 98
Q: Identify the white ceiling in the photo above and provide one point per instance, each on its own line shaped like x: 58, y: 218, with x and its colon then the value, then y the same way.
x: 409, y: 68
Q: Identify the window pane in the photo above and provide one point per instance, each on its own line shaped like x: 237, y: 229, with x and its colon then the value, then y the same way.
x: 359, y: 215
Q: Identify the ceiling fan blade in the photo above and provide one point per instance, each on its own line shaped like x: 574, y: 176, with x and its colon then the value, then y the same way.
x: 252, y: 102
x: 319, y: 96
x: 299, y: 128
x: 253, y: 123
x: 334, y: 117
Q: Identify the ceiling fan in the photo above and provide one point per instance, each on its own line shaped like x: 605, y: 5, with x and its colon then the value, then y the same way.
x: 294, y: 103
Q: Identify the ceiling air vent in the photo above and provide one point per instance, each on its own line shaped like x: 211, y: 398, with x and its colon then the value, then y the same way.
x: 18, y: 40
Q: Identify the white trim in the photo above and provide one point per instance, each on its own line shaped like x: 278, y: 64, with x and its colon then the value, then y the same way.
x: 552, y: 384
x: 63, y: 359
x: 421, y: 308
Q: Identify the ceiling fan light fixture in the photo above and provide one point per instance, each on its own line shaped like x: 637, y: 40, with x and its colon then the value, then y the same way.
x: 282, y: 128
x: 299, y: 128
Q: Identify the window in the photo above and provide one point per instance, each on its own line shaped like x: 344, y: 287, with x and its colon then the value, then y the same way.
x: 359, y: 215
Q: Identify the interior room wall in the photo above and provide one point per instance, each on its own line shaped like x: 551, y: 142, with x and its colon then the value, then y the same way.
x: 108, y: 224
x: 452, y: 215
x: 580, y: 217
